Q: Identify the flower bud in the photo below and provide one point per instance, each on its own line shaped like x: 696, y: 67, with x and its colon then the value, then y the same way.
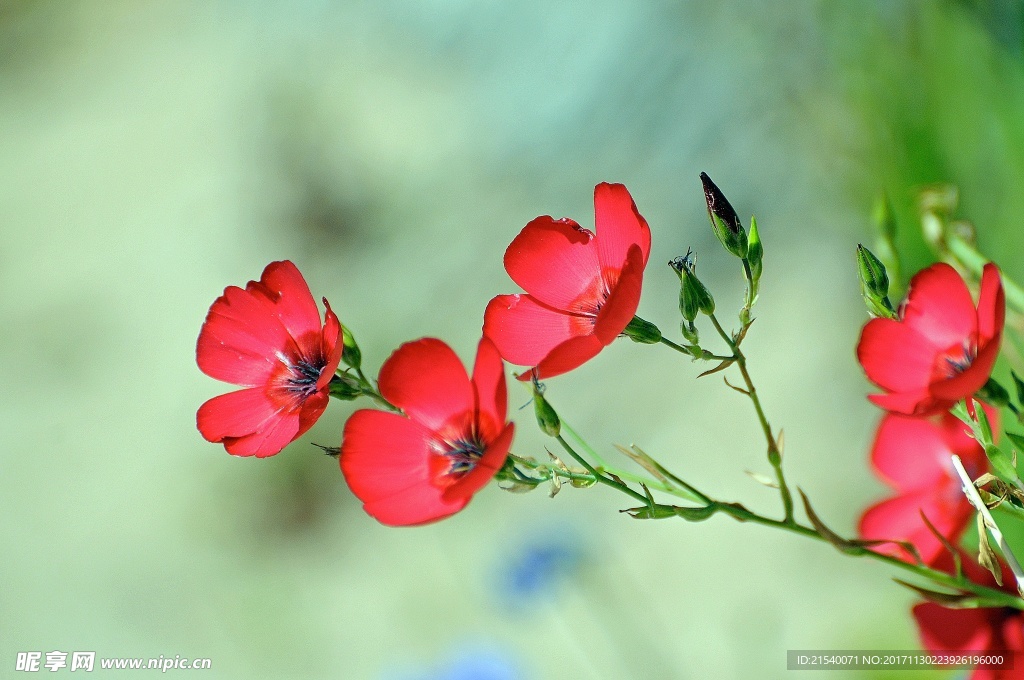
x: 344, y: 387
x: 547, y: 419
x: 689, y: 332
x: 350, y: 353
x: 639, y: 330
x: 755, y: 252
x: 874, y: 283
x: 693, y: 295
x: 724, y: 219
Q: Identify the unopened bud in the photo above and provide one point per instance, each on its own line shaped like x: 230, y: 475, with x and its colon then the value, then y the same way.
x: 547, y: 419
x: 724, y: 219
x: 639, y: 330
x: 344, y: 387
x: 689, y: 332
x: 694, y: 297
x: 755, y: 252
x: 350, y: 353
x: 874, y: 283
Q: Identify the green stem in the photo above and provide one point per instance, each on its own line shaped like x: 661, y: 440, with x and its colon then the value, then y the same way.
x: 695, y: 352
x: 774, y: 455
x: 608, y: 481
x: 997, y: 597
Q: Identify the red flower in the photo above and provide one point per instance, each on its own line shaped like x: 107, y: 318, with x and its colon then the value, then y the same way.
x: 942, y: 348
x: 982, y: 631
x: 913, y: 456
x: 582, y: 290
x: 269, y: 339
x: 427, y: 465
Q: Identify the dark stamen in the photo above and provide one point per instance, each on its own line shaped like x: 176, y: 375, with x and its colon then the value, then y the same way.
x: 304, y: 377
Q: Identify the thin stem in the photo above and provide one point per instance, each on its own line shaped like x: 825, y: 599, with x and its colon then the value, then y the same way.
x: 608, y: 481
x: 749, y: 276
x: 774, y: 455
x: 700, y: 354
x: 997, y: 597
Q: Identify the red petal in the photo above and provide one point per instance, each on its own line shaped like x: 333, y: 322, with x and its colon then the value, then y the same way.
x: 945, y: 629
x: 488, y: 465
x: 569, y: 355
x: 556, y: 262
x: 991, y: 305
x: 425, y: 379
x: 899, y: 518
x: 240, y: 339
x: 919, y: 403
x: 331, y: 346
x: 911, y: 453
x: 894, y: 356
x: 525, y: 331
x: 248, y: 422
x: 491, y: 390
x: 619, y: 226
x: 619, y: 308
x: 939, y: 307
x: 385, y: 460
x: 283, y: 286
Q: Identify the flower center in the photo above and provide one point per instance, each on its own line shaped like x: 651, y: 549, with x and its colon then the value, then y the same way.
x: 462, y: 455
x: 958, y: 358
x: 298, y: 376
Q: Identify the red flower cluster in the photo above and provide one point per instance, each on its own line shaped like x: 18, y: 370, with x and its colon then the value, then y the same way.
x: 582, y: 289
x: 941, y: 349
x: 450, y: 434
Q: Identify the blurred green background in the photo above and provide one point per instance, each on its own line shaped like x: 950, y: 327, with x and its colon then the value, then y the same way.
x: 152, y: 153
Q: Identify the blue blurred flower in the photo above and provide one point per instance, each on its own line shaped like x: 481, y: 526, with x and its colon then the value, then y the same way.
x: 472, y: 663
x: 537, y: 567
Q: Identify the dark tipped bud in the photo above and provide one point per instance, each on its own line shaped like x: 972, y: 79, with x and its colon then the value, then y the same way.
x: 724, y: 219
x: 874, y: 283
x: 642, y: 331
x: 350, y: 353
x: 547, y: 419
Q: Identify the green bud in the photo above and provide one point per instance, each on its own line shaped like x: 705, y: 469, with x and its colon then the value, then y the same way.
x: 874, y: 283
x: 724, y: 219
x: 689, y: 332
x: 547, y: 419
x: 755, y: 251
x: 693, y: 295
x: 642, y: 331
x: 344, y: 387
x: 350, y: 353
x: 693, y: 288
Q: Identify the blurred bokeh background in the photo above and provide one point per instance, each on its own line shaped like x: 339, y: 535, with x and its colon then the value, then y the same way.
x: 152, y: 153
